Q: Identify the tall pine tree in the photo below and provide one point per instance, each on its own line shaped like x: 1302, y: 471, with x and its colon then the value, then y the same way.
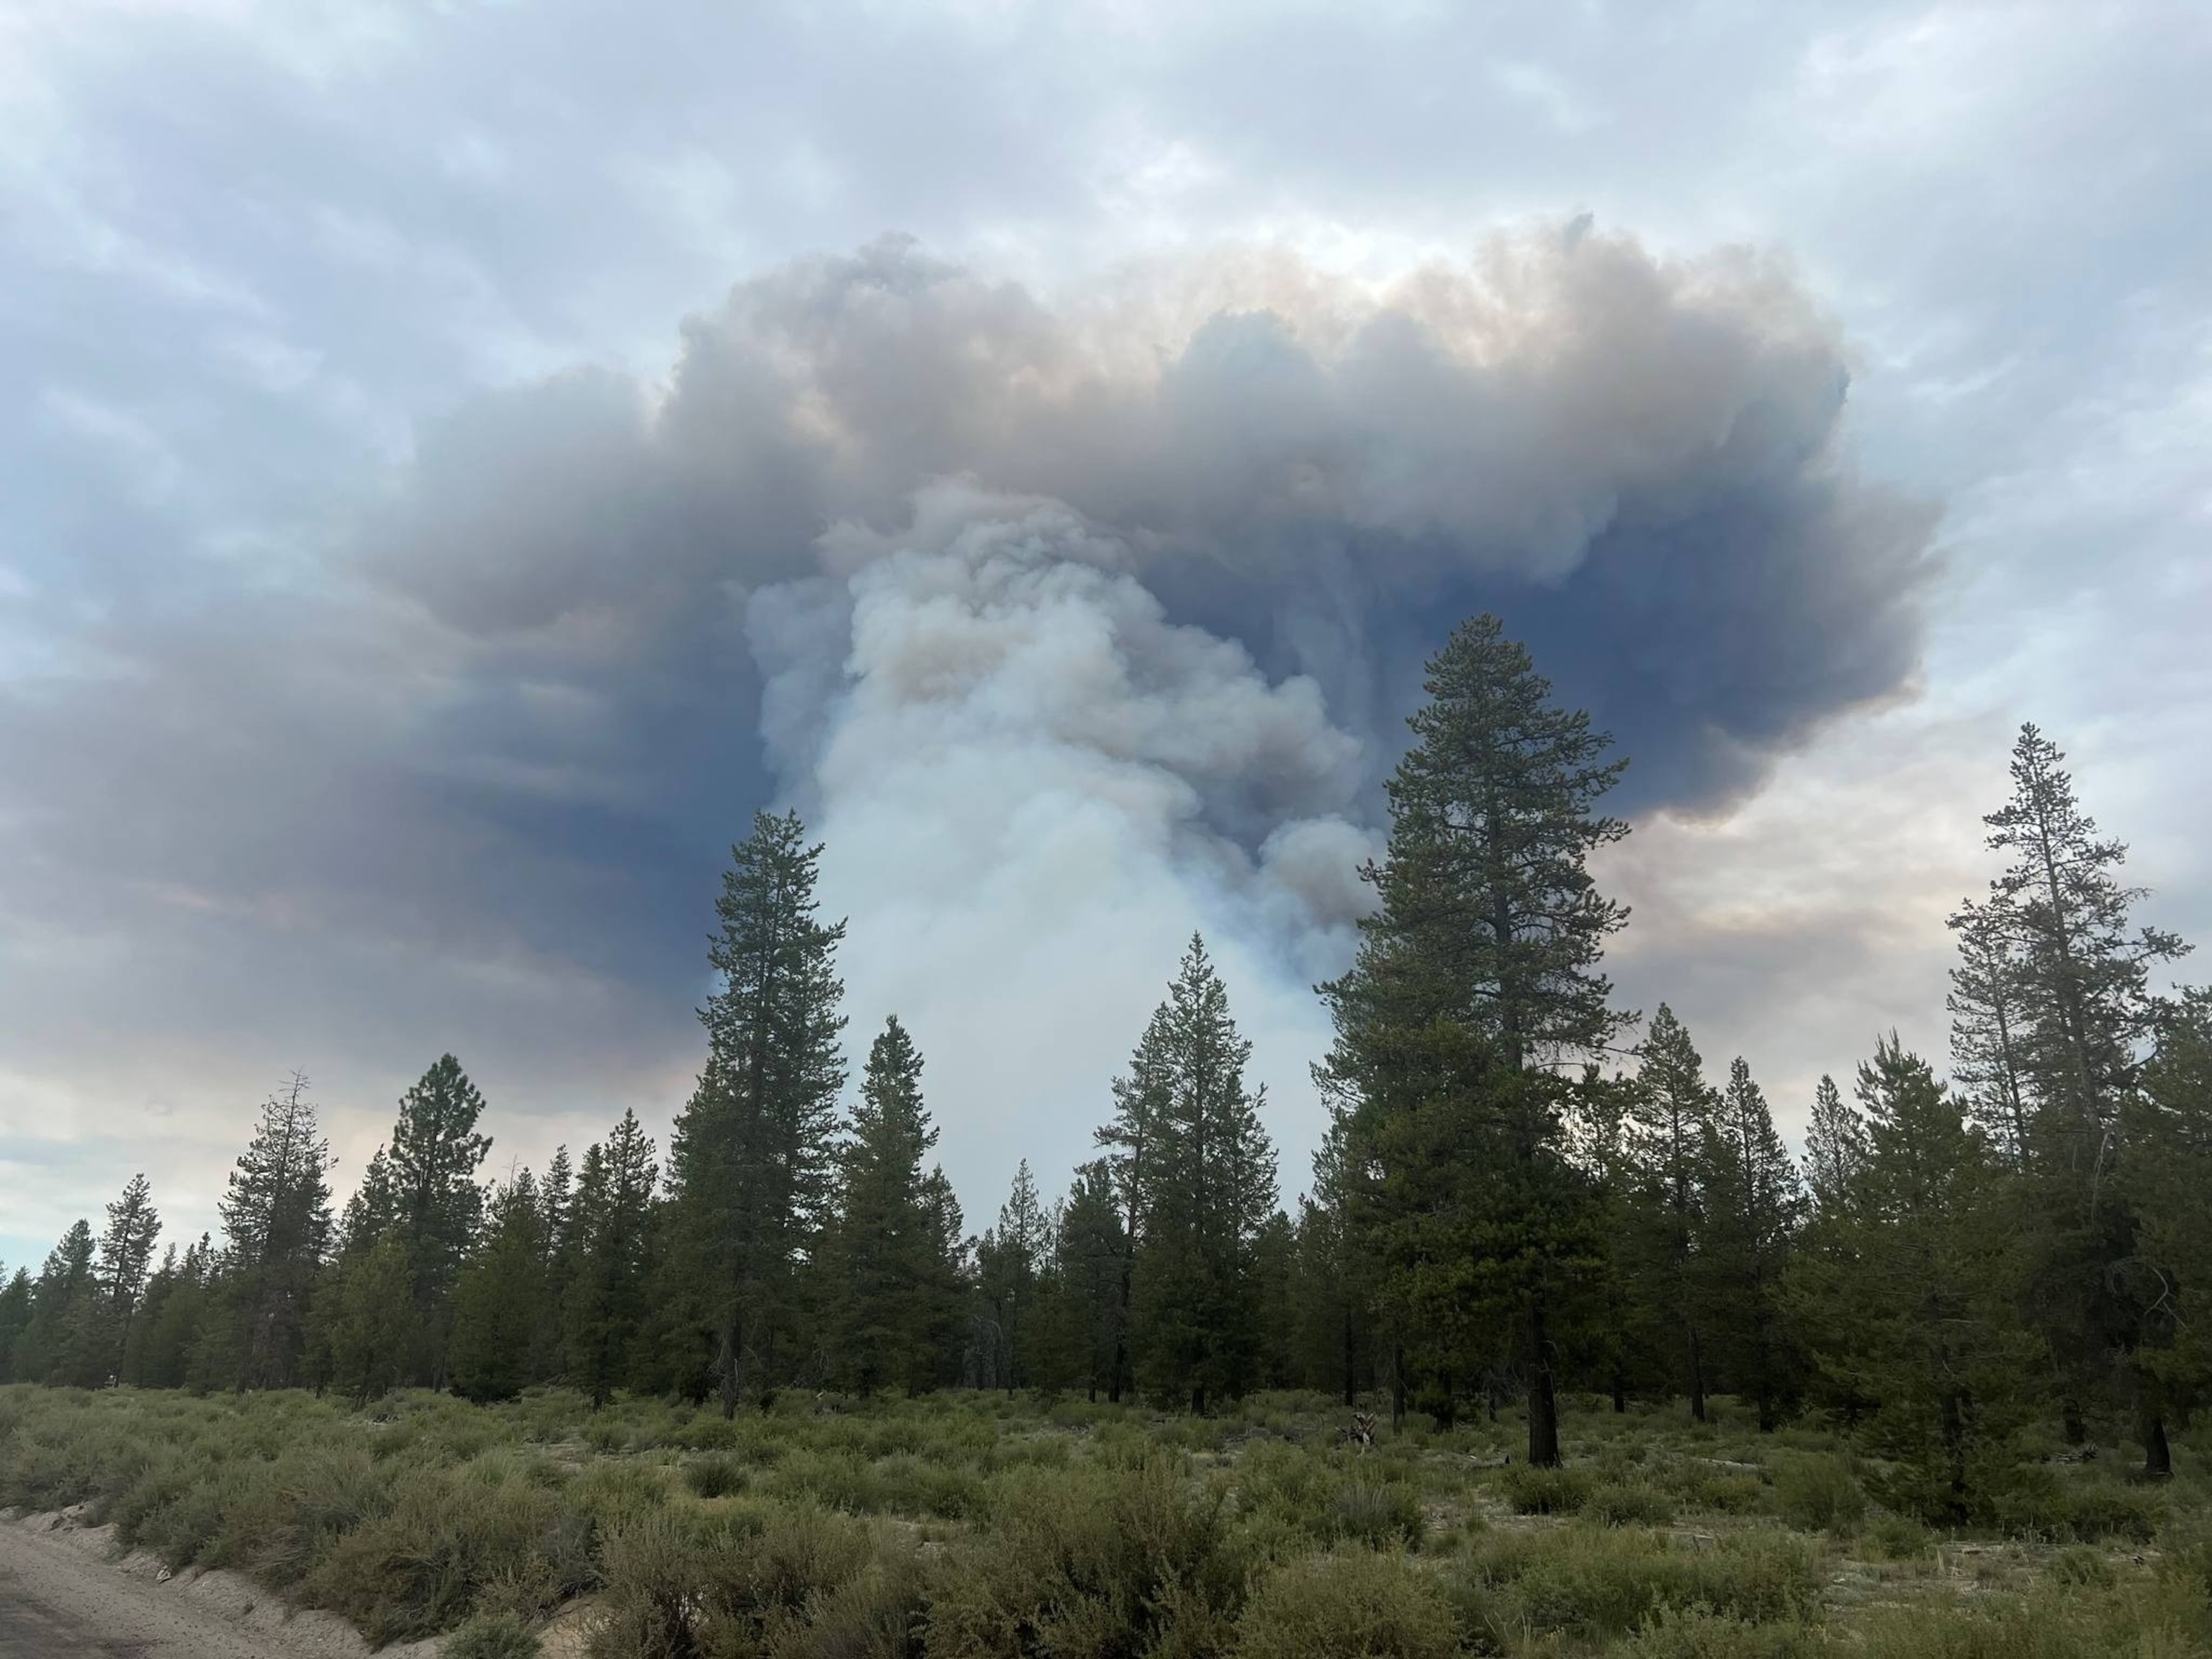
x: 1478, y: 981
x: 750, y: 1165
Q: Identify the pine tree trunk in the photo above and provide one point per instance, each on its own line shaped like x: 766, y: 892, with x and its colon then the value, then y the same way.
x: 1619, y: 1393
x: 2070, y: 1417
x: 1954, y: 1445
x: 729, y: 1364
x: 1351, y: 1374
x: 1397, y: 1384
x: 2157, y: 1455
x: 1697, y: 1379
x: 1543, y: 1398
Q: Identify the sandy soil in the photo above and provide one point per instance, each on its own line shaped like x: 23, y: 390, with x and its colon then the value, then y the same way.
x: 67, y: 1592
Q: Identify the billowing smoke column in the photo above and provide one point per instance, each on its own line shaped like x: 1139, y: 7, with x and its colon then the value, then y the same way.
x: 1073, y: 627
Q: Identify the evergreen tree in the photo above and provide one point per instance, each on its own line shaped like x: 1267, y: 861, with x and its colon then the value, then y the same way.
x: 1835, y: 1148
x: 1916, y: 1320
x: 885, y: 1312
x: 1333, y: 1336
x: 1130, y: 1142
x: 1010, y: 1260
x: 436, y: 1205
x: 1211, y: 1190
x: 42, y: 1348
x: 751, y: 1161
x: 14, y: 1314
x: 1083, y: 1315
x: 2165, y: 1174
x: 1477, y: 978
x: 366, y: 1319
x: 498, y: 1296
x: 556, y: 1266
x: 277, y: 1229
x: 613, y: 1228
x: 1753, y: 1203
x: 101, y: 1321
x: 1671, y: 1113
x: 2056, y: 922
x: 1988, y: 1026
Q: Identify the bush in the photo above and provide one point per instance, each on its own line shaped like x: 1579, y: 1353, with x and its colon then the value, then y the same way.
x: 1695, y: 1633
x: 1629, y: 1503
x: 492, y: 1636
x: 1892, y: 1537
x: 1094, y: 1561
x: 1819, y: 1494
x: 1532, y: 1491
x: 2081, y: 1566
x: 1589, y: 1584
x: 1354, y: 1604
x: 1378, y: 1514
x: 716, y: 1474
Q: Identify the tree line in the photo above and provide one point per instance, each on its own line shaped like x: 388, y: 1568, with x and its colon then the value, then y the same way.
x: 1522, y: 1189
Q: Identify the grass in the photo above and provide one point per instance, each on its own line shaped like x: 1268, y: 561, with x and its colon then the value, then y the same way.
x: 977, y: 1526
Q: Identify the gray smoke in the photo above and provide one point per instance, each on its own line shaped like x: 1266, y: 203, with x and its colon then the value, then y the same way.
x: 1072, y: 623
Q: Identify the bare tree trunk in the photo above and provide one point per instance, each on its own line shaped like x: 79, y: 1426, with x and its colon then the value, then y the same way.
x: 1397, y: 1384
x: 2157, y: 1455
x: 1543, y: 1398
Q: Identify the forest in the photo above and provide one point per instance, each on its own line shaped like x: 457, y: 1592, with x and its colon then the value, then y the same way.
x: 1541, y: 1228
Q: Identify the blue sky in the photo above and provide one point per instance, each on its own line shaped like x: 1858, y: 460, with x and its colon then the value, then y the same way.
x: 457, y: 460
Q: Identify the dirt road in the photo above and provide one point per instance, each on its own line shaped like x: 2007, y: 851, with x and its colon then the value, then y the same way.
x: 64, y: 1595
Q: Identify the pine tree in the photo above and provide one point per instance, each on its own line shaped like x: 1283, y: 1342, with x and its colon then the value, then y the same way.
x: 1753, y: 1203
x: 751, y: 1161
x: 1334, y: 1336
x: 1084, y: 1309
x: 14, y: 1314
x: 66, y: 1280
x: 1916, y: 1320
x: 2164, y: 1173
x: 277, y: 1229
x: 1835, y: 1148
x: 1989, y: 1027
x: 613, y: 1228
x: 1009, y: 1262
x: 498, y: 1295
x: 556, y: 1266
x: 881, y: 1254
x: 367, y: 1318
x: 1671, y: 1112
x: 101, y: 1321
x: 1212, y: 1189
x: 1477, y: 978
x: 1130, y: 1142
x: 2058, y: 922
x: 435, y: 1204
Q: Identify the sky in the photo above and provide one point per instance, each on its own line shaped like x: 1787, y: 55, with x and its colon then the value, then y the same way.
x: 458, y: 461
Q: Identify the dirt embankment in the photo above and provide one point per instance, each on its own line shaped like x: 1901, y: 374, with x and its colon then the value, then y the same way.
x: 66, y: 1593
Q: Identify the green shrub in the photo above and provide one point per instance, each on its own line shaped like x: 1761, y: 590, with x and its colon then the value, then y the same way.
x: 491, y: 1636
x: 1892, y: 1537
x: 2081, y: 1566
x: 1629, y: 1503
x: 716, y: 1474
x: 2030, y: 1502
x: 1589, y: 1583
x: 1532, y: 1491
x: 1819, y: 1493
x: 1696, y: 1633
x: 1095, y: 1561
x: 1376, y: 1513
x: 1354, y: 1604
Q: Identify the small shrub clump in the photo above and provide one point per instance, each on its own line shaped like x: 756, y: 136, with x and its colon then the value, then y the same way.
x: 1819, y: 1493
x: 1352, y: 1604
